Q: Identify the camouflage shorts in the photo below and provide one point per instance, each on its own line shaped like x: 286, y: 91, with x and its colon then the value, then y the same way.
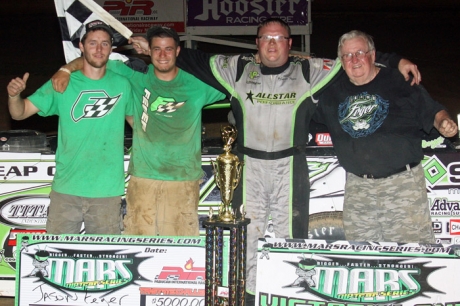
x: 389, y: 209
x: 67, y: 213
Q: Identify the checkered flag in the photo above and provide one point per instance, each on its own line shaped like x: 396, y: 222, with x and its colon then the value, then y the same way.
x: 101, y: 107
x: 73, y: 15
x: 169, y: 107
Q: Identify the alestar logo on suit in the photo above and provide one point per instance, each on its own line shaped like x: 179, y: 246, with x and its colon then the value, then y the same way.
x: 274, y: 99
x: 93, y: 104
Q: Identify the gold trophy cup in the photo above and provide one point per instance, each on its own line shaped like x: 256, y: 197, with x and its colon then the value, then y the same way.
x: 227, y: 172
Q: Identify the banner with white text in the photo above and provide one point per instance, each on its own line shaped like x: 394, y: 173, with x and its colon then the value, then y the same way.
x: 356, y: 273
x: 110, y: 270
x: 245, y: 13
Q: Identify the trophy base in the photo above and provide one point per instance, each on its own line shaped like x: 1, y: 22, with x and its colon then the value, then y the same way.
x: 237, y: 229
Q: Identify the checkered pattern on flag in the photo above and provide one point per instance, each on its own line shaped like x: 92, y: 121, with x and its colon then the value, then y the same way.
x: 73, y: 16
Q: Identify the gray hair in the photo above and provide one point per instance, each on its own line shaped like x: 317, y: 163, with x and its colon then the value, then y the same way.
x: 355, y: 34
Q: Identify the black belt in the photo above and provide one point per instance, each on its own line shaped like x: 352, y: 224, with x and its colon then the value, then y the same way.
x: 270, y: 155
x: 396, y: 171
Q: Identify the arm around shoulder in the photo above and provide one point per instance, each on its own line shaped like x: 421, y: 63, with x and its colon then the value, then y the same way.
x: 60, y: 79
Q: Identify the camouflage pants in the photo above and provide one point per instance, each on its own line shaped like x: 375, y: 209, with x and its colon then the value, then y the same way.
x: 388, y: 209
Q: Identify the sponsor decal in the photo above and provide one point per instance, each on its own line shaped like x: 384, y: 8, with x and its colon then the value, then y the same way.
x: 434, y: 170
x: 14, y: 233
x: 443, y: 240
x: 358, y: 273
x: 327, y: 64
x: 223, y: 292
x: 323, y: 139
x: 442, y: 207
x: 272, y: 99
x: 188, y: 274
x: 371, y: 281
x: 454, y: 226
x: 253, y: 74
x: 437, y: 227
x: 89, y: 271
x: 130, y: 8
x: 109, y: 270
x: 24, y: 211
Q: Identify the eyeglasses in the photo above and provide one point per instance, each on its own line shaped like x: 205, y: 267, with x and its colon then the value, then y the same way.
x: 275, y: 37
x: 359, y: 55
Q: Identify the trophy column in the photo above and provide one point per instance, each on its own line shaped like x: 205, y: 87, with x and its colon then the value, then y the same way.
x: 214, y: 262
x: 227, y: 171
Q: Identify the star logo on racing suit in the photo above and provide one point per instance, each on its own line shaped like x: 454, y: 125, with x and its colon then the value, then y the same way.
x: 249, y: 96
x: 93, y: 104
x: 165, y: 105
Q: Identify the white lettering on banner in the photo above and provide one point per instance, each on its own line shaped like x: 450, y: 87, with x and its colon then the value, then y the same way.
x: 129, y: 9
x: 217, y: 8
x: 239, y: 20
x: 374, y: 279
x: 74, y: 271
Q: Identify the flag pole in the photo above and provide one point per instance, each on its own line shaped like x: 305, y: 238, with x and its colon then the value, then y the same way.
x: 107, y: 18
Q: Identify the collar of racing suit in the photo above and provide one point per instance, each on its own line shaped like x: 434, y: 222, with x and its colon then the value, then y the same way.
x: 274, y: 70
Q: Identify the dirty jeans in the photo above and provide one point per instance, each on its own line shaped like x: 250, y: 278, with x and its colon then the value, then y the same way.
x: 161, y: 208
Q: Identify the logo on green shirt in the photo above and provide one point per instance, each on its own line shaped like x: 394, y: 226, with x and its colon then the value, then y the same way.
x: 165, y: 105
x: 93, y: 104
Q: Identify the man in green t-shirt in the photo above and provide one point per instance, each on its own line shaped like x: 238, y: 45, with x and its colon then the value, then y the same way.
x: 165, y: 167
x: 89, y: 178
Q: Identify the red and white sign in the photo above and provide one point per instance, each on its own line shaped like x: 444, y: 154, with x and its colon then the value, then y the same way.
x: 455, y: 226
x: 323, y: 140
x: 140, y: 15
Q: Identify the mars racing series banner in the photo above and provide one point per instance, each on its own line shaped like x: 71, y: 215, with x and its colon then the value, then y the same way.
x: 26, y: 184
x: 110, y: 270
x: 326, y: 273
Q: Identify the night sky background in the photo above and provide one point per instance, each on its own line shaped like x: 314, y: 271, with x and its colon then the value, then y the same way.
x: 427, y: 33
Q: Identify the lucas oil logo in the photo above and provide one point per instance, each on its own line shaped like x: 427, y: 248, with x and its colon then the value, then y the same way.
x: 352, y: 280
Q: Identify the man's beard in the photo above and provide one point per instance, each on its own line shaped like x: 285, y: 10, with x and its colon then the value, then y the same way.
x: 96, y: 64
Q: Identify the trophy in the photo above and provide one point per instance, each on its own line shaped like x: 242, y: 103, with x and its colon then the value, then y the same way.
x: 227, y: 172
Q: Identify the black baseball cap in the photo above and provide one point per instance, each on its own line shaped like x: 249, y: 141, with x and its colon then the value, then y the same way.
x: 97, y: 25
x: 158, y: 31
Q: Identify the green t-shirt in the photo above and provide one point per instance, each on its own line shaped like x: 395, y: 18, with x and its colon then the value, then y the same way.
x: 167, y: 124
x: 90, y: 152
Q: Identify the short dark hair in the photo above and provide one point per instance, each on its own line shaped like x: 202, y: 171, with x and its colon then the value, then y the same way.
x: 158, y: 31
x: 274, y: 20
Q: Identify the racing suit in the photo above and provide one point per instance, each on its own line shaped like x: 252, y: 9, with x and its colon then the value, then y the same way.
x: 272, y: 109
